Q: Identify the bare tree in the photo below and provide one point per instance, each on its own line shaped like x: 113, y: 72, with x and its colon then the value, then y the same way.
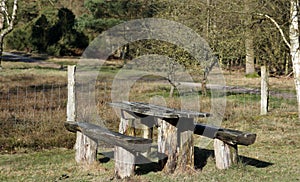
x: 7, y: 19
x: 293, y: 44
x: 249, y: 47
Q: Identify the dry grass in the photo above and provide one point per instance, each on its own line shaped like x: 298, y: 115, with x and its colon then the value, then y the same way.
x: 33, y: 119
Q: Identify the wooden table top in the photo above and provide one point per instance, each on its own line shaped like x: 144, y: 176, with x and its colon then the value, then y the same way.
x: 157, y: 111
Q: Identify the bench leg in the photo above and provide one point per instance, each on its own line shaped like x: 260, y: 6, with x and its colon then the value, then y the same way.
x: 124, y: 163
x: 86, y: 149
x: 225, y: 154
x: 124, y: 160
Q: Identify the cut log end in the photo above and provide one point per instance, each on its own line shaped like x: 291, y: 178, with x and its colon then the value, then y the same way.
x: 72, y: 126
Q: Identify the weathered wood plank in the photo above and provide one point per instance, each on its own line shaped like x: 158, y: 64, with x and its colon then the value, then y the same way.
x: 97, y: 133
x: 233, y: 137
x: 157, y: 111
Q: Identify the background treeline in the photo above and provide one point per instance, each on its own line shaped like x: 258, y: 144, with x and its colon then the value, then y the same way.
x: 236, y: 30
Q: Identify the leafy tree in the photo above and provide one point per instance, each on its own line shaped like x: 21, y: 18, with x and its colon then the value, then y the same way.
x: 104, y: 14
x: 63, y: 38
x: 39, y: 34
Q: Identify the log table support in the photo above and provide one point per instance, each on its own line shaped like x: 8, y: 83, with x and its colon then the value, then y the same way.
x: 176, y: 142
x: 186, y: 151
x: 225, y: 154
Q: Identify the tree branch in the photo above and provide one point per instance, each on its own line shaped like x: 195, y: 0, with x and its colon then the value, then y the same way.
x: 12, y: 18
x: 278, y: 27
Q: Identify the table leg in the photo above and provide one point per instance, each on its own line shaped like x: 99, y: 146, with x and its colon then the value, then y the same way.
x: 176, y: 142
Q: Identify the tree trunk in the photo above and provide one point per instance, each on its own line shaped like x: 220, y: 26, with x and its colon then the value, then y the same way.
x: 208, y: 19
x: 8, y: 21
x: 1, y: 51
x: 294, y: 49
x: 250, y: 67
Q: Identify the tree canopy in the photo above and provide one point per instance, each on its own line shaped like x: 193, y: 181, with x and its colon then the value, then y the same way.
x: 66, y: 27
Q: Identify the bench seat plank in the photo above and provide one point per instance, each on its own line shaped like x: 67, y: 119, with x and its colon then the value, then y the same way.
x: 229, y: 136
x: 98, y: 133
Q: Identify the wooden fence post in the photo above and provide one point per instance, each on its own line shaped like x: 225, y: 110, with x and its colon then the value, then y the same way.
x: 86, y: 148
x: 264, y: 91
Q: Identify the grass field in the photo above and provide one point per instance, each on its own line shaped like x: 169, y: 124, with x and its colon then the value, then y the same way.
x: 34, y: 145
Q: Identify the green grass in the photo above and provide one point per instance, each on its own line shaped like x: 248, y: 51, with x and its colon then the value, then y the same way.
x: 275, y: 156
x: 273, y: 163
x: 252, y: 75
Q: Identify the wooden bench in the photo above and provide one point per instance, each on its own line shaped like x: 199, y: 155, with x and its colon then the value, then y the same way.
x: 226, y: 143
x: 126, y: 147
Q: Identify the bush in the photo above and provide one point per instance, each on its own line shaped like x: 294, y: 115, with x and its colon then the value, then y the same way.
x: 18, y: 39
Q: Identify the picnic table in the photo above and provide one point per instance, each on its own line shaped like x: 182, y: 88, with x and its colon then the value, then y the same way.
x: 175, y: 145
x: 175, y: 133
x: 175, y: 130
x: 174, y: 138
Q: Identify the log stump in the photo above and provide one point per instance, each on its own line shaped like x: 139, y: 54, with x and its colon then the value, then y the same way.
x: 176, y: 142
x: 124, y: 163
x: 125, y: 160
x: 86, y: 149
x: 225, y: 154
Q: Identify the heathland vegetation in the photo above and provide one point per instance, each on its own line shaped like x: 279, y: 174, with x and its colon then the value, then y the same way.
x: 51, y: 34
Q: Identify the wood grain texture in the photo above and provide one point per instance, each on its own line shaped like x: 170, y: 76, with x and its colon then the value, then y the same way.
x: 157, y: 111
x: 233, y: 137
x: 225, y: 154
x: 97, y: 133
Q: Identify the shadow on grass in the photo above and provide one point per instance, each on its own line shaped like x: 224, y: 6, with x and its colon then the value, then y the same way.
x: 105, y: 157
x: 22, y: 57
x: 254, y: 162
x: 201, y: 156
x: 145, y: 166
